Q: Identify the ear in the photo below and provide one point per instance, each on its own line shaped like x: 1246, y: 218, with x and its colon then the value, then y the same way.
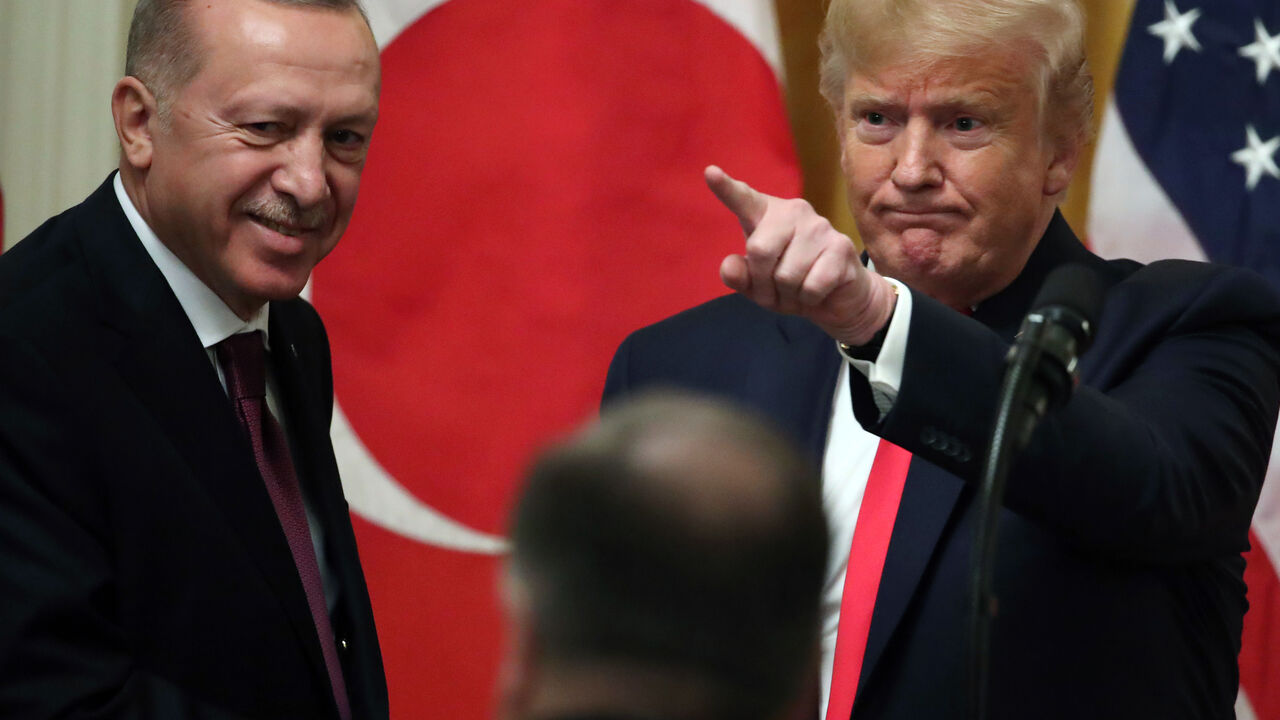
x: 517, y: 674
x: 1062, y: 166
x: 136, y: 114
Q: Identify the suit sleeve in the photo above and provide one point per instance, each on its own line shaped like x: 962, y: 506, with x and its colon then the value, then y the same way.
x: 63, y: 652
x: 1160, y: 456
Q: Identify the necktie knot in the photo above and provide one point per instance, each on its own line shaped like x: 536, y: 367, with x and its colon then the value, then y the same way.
x: 243, y: 359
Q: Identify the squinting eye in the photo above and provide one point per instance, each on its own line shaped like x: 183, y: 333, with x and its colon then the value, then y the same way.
x: 264, y: 127
x: 965, y: 124
x: 347, y: 137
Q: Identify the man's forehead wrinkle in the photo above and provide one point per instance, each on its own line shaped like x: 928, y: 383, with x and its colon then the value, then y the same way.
x: 941, y: 85
x: 275, y: 93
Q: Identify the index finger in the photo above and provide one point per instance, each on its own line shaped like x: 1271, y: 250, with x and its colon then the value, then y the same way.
x: 742, y: 200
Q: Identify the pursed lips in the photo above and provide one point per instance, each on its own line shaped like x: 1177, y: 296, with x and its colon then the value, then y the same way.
x: 925, y: 211
x: 920, y: 216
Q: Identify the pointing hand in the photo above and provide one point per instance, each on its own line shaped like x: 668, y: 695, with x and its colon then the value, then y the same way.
x: 797, y: 263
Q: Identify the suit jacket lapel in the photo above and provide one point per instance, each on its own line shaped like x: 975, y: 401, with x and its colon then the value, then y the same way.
x: 306, y: 389
x: 301, y: 392
x: 928, y: 499
x: 931, y: 494
x: 160, y: 357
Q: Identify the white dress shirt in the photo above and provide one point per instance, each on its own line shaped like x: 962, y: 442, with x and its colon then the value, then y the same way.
x: 214, y: 322
x: 846, y: 464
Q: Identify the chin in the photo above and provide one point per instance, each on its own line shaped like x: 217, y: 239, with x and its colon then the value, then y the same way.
x: 276, y: 286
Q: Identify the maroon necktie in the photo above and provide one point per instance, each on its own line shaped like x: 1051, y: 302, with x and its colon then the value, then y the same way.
x: 243, y: 359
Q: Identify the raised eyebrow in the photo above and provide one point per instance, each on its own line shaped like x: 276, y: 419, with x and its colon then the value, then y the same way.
x: 864, y: 102
x: 981, y: 102
x: 356, y: 123
x: 268, y: 109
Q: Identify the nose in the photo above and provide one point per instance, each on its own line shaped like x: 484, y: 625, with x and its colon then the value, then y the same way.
x: 301, y: 173
x: 917, y: 163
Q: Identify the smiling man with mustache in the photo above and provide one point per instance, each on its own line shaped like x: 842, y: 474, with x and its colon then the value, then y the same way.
x: 174, y: 542
x: 1119, y: 568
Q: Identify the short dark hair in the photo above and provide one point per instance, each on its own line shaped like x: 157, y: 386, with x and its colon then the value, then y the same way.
x: 162, y: 50
x: 711, y: 566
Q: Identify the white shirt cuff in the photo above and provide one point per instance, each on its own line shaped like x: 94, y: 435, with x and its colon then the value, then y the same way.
x: 884, y: 374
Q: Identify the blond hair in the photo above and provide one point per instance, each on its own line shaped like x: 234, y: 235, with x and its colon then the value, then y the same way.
x: 867, y: 35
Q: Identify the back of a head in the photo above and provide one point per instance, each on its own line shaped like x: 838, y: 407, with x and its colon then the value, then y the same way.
x: 683, y: 535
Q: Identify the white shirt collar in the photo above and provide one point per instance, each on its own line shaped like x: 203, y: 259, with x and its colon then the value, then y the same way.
x: 209, y: 315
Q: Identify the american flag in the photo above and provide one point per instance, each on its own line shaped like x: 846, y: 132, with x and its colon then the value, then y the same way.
x: 1187, y: 167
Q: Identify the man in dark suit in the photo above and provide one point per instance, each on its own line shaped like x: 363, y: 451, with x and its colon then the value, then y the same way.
x: 666, y: 562
x: 1119, y: 570
x: 174, y: 540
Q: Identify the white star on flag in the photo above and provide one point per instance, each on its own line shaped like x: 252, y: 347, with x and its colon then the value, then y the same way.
x: 1258, y: 157
x: 1265, y: 51
x: 1175, y: 29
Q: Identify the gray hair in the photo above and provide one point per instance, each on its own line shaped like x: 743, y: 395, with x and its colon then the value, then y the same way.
x: 164, y: 53
x: 867, y: 35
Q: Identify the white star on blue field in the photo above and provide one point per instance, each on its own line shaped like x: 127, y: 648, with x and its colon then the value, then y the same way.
x: 1198, y: 91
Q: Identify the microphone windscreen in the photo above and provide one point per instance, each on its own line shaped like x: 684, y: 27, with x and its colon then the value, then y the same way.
x: 1074, y: 287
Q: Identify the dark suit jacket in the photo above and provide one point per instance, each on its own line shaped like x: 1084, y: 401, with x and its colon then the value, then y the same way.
x: 1119, y: 573
x: 143, y: 570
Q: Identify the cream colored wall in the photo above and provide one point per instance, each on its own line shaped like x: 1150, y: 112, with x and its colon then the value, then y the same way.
x: 59, y: 60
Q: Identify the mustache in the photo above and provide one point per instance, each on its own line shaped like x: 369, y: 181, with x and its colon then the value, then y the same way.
x: 285, y: 211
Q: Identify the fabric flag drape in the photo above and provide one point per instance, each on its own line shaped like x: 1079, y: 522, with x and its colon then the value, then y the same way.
x: 533, y: 193
x: 1186, y: 167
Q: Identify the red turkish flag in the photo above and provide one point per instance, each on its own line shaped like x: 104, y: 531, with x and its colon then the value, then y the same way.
x: 534, y: 192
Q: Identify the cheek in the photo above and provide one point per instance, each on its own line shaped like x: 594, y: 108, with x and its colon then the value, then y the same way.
x: 344, y: 183
x: 862, y: 173
x: 986, y: 179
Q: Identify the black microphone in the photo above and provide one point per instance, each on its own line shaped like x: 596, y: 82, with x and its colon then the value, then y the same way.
x: 1054, y: 335
x: 1040, y: 373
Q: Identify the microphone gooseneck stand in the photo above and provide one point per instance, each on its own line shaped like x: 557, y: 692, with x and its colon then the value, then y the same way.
x: 1040, y: 372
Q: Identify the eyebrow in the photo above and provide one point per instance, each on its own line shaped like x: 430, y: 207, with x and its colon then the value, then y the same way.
x: 290, y: 110
x: 984, y: 100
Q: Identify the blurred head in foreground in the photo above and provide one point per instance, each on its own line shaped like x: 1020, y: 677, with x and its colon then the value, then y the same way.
x: 666, y: 562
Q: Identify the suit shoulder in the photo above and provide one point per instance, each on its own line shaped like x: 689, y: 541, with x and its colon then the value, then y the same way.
x: 39, y: 260
x: 728, y: 316
x: 1190, y: 286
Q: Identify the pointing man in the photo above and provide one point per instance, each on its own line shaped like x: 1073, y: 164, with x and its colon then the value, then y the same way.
x: 1119, y: 569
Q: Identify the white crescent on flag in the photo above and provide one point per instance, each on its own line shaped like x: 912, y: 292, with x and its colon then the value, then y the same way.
x: 376, y: 496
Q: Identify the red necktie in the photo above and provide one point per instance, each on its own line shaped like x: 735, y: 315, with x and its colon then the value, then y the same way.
x: 862, y: 576
x: 243, y: 360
